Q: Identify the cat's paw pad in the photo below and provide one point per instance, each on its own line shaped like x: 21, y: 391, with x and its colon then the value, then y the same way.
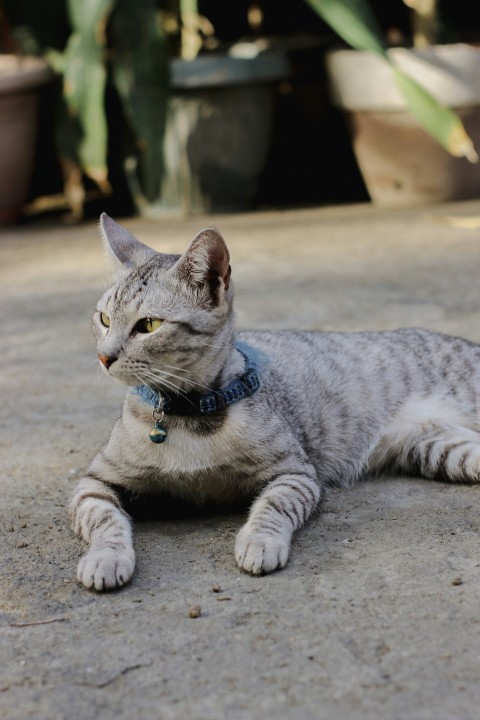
x: 106, y: 569
x: 259, y: 553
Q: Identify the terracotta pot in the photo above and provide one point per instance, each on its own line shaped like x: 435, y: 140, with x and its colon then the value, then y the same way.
x: 20, y: 80
x: 400, y: 163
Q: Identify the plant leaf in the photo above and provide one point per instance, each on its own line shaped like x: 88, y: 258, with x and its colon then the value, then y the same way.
x: 140, y: 74
x: 439, y: 121
x: 85, y: 80
x: 353, y: 21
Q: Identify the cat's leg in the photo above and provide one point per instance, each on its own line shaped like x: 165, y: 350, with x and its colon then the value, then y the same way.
x: 263, y: 543
x: 433, y: 438
x: 98, y: 518
x: 448, y: 454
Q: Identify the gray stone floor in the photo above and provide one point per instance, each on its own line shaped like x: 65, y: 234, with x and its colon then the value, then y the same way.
x: 377, y: 613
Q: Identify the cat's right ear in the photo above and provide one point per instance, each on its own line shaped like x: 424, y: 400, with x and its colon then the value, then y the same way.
x: 124, y: 249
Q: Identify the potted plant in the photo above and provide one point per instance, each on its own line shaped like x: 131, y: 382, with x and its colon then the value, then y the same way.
x: 414, y: 114
x: 21, y: 78
x: 219, y: 120
x: 196, y: 116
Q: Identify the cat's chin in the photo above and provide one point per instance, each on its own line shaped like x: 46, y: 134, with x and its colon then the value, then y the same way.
x: 127, y: 380
x: 135, y: 381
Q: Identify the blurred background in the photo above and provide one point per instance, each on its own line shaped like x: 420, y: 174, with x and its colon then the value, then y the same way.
x: 176, y: 107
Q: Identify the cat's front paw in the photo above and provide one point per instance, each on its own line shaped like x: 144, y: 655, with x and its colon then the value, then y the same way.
x: 259, y: 553
x: 106, y: 568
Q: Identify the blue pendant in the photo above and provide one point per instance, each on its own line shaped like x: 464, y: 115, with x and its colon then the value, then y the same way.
x: 158, y: 434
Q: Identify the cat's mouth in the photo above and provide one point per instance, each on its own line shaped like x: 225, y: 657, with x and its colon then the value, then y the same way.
x: 117, y: 370
x: 169, y: 379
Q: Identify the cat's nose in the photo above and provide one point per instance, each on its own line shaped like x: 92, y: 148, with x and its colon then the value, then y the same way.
x: 107, y: 360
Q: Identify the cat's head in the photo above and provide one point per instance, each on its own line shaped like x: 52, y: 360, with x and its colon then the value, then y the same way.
x: 166, y: 322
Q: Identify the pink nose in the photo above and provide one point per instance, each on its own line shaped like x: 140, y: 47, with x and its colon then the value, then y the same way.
x: 106, y: 360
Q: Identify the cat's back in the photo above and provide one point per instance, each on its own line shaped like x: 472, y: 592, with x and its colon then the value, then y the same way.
x: 383, y: 366
x: 329, y: 354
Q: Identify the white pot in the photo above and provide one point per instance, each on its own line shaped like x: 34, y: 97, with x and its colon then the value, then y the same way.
x: 400, y: 163
x: 363, y: 80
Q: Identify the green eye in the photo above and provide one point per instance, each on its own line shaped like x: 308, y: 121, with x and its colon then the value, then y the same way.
x: 148, y: 325
x: 104, y: 319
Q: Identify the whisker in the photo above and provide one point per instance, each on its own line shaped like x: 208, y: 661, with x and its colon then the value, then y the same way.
x: 156, y: 372
x: 141, y: 380
x: 174, y: 367
x: 177, y: 391
x: 155, y: 379
x: 177, y: 377
x: 168, y: 384
x: 162, y: 377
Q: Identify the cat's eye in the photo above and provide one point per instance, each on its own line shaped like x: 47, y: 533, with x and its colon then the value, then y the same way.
x: 148, y: 325
x: 104, y: 319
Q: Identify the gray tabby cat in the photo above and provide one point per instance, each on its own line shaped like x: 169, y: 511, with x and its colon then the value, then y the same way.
x: 272, y: 415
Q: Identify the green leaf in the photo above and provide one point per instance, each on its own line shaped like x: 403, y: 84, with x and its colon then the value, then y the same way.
x: 140, y: 74
x: 353, y: 21
x: 85, y: 80
x: 89, y: 17
x: 439, y: 121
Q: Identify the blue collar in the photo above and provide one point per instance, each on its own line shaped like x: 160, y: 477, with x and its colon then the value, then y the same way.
x: 195, y: 403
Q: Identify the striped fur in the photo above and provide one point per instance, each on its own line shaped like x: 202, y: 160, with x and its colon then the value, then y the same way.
x: 332, y: 407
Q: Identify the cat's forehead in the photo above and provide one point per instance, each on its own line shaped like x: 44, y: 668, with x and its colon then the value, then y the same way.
x: 141, y: 280
x: 159, y: 261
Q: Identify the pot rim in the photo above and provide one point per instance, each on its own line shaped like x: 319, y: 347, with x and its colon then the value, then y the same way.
x: 22, y: 72
x: 361, y: 80
x: 220, y: 70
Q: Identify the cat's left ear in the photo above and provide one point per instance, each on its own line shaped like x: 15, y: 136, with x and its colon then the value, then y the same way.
x: 207, y: 260
x: 121, y: 246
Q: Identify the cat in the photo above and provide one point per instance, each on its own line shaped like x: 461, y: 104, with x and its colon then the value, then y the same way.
x: 212, y: 415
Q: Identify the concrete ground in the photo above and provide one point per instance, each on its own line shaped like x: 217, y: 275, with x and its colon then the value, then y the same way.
x: 377, y: 613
